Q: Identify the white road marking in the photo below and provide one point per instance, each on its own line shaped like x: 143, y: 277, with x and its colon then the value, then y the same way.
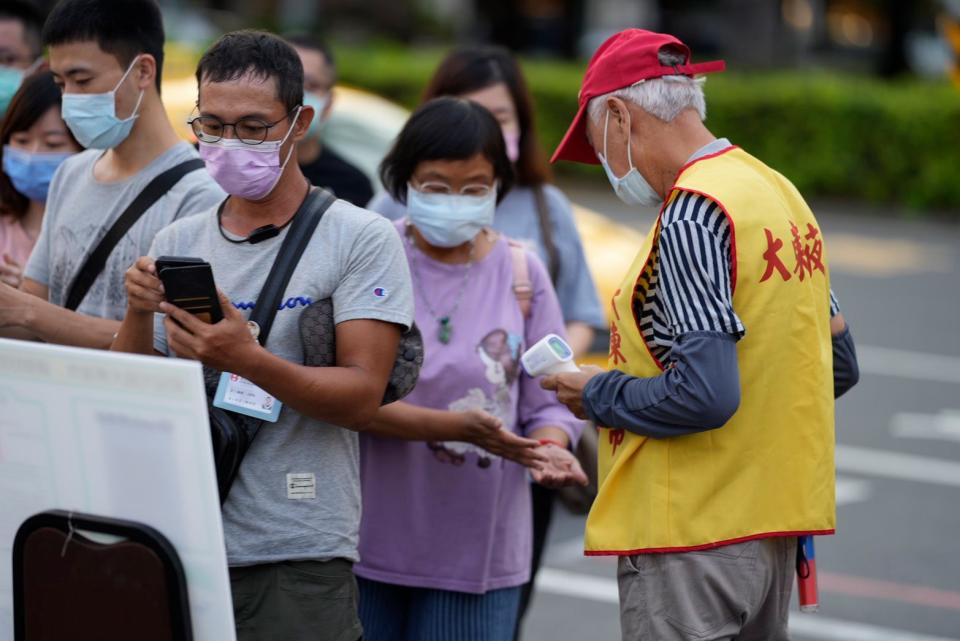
x: 944, y: 426
x: 604, y: 590
x: 852, y: 490
x: 894, y: 465
x: 900, y: 363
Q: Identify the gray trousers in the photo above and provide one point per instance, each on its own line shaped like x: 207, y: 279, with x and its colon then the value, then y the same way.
x: 737, y: 592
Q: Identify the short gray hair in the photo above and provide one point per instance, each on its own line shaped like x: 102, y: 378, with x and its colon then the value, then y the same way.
x: 665, y: 97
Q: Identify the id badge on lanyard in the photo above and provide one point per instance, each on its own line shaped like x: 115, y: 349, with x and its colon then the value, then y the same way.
x: 237, y: 394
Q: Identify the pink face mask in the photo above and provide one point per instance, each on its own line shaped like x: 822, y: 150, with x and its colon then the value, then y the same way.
x: 512, y: 140
x: 246, y: 171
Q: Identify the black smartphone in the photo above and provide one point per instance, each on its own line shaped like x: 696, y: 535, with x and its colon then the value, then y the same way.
x: 176, y: 261
x: 191, y: 287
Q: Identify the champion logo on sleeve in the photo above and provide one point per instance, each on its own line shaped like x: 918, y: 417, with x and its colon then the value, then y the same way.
x: 380, y: 292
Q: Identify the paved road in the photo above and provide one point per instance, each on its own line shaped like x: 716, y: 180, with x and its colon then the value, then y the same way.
x: 892, y: 573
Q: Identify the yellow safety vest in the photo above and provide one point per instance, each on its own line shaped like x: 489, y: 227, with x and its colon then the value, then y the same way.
x: 770, y: 470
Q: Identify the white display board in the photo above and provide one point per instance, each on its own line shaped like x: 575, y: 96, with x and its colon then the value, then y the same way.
x: 114, y: 435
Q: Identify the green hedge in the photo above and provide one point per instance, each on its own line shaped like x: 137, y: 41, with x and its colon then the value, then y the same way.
x: 832, y: 135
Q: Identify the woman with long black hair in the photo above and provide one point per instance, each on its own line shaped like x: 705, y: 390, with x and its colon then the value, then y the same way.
x: 35, y: 141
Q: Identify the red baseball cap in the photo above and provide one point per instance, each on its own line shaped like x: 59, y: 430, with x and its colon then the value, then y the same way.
x: 622, y: 60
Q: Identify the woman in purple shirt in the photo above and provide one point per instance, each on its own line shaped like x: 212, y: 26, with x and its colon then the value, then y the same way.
x: 445, y: 534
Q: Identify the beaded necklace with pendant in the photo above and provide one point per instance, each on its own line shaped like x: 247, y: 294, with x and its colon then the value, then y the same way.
x: 444, y: 322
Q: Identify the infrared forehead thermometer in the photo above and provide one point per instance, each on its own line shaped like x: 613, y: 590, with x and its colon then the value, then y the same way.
x: 551, y: 355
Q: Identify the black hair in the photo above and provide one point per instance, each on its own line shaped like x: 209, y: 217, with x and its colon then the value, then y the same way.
x: 122, y: 28
x: 37, y: 94
x: 28, y: 15
x: 312, y: 43
x: 261, y: 54
x: 469, y: 69
x: 446, y: 129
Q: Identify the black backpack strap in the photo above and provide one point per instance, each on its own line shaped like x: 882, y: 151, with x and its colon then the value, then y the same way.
x: 298, y: 236
x: 97, y: 260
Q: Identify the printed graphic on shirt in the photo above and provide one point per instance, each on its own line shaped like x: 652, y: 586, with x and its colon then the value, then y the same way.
x: 290, y: 303
x: 499, y: 351
x: 77, y: 244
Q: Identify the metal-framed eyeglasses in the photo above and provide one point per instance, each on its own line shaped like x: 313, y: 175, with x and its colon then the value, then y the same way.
x: 250, y: 131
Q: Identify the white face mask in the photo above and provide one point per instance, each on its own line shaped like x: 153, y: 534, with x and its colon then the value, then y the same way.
x: 449, y: 220
x: 631, y: 188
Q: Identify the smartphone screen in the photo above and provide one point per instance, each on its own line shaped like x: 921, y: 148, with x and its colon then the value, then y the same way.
x: 191, y: 288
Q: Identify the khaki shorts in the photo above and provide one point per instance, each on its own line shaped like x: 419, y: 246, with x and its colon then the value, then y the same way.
x: 739, y: 591
x: 296, y: 600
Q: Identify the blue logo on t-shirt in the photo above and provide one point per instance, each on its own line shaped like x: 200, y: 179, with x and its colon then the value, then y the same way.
x: 291, y: 303
x: 380, y: 292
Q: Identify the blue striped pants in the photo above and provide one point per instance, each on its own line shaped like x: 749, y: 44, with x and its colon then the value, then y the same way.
x: 400, y: 613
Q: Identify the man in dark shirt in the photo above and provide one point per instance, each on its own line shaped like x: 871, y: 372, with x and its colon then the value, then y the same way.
x: 319, y: 164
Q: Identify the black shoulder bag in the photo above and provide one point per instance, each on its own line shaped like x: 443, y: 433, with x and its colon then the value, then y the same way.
x: 232, y: 433
x: 97, y: 260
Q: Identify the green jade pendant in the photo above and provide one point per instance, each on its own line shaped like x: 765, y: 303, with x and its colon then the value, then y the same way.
x: 443, y: 334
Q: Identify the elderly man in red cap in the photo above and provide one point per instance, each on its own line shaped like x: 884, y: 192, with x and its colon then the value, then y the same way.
x: 727, y: 350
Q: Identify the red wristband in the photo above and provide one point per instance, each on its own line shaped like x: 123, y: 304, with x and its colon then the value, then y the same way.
x: 552, y: 441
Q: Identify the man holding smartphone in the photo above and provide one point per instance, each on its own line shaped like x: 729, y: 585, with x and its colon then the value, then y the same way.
x: 107, y: 57
x: 291, y: 518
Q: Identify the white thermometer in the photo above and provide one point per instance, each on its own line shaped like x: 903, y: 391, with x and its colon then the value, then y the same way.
x: 551, y: 355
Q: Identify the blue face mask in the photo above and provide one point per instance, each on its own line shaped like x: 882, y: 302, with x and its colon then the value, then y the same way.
x: 10, y: 80
x: 632, y: 188
x: 449, y: 220
x: 319, y: 103
x: 31, y: 173
x: 92, y: 117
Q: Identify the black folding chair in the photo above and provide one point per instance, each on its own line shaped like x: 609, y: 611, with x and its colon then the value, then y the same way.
x: 68, y: 586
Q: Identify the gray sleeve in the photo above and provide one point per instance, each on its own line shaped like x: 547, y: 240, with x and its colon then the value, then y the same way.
x: 200, y: 194
x: 701, y: 391
x: 38, y: 265
x: 375, y: 282
x: 575, y: 286
x: 846, y: 370
x: 386, y: 206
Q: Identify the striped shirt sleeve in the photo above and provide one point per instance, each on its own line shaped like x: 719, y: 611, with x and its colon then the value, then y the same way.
x: 834, y: 304
x: 695, y: 268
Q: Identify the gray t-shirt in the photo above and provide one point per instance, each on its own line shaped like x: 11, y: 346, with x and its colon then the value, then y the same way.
x: 516, y: 216
x: 357, y: 259
x: 81, y: 209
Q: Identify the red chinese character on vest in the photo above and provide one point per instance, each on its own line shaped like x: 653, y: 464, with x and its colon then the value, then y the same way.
x: 773, y: 260
x: 613, y: 304
x: 616, y: 439
x: 814, y: 254
x: 808, y: 258
x: 615, y: 342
